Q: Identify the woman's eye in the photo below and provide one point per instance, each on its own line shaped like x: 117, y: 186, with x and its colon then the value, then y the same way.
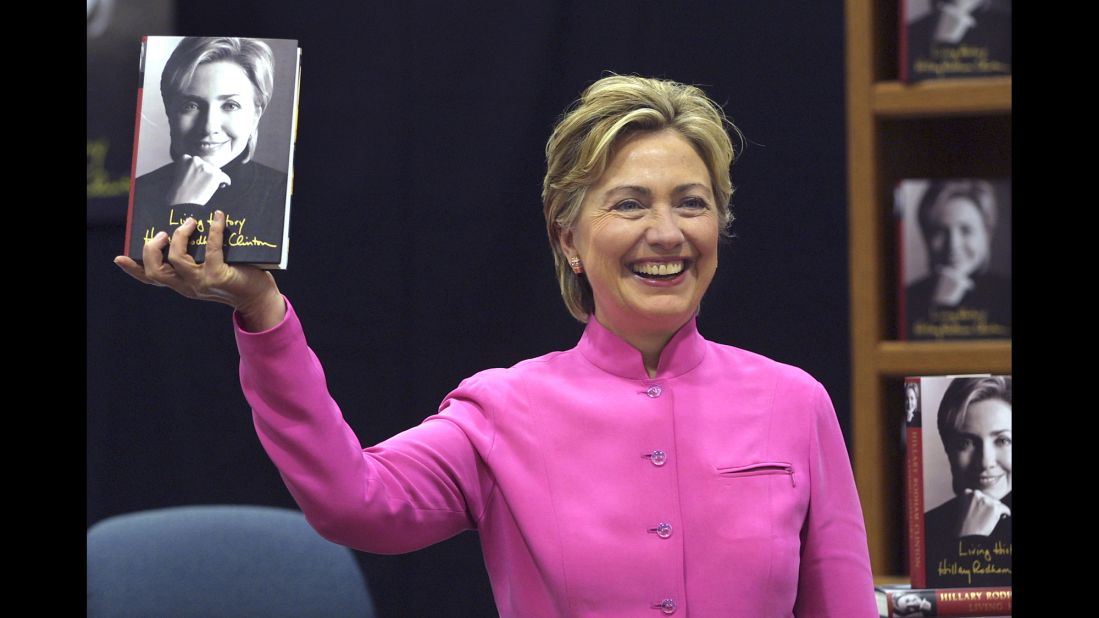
x: 230, y: 106
x: 628, y: 206
x: 190, y: 106
x: 965, y: 444
x: 694, y: 203
x: 1003, y: 441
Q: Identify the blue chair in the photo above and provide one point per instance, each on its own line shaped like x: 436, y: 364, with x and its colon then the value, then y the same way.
x: 220, y: 560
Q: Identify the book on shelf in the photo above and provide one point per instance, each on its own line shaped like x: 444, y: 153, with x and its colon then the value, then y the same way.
x: 215, y: 130
x: 954, y: 258
x: 904, y: 601
x: 945, y: 39
x: 958, y: 480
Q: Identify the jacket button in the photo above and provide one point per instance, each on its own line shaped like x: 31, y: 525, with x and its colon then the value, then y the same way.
x: 658, y: 457
x: 662, y: 530
x: 667, y: 606
x: 654, y: 391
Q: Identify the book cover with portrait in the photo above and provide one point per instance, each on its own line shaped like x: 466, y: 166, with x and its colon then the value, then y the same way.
x: 215, y: 130
x: 945, y: 39
x: 954, y: 258
x: 958, y: 480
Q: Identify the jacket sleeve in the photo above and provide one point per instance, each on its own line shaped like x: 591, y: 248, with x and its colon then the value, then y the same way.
x: 835, y: 577
x: 419, y: 487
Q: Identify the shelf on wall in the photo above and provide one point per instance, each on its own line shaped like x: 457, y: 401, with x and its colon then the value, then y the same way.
x: 951, y: 97
x: 901, y: 358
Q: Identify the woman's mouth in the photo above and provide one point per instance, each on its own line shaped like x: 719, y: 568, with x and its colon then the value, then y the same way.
x: 659, y: 270
x: 988, y: 481
x: 205, y: 148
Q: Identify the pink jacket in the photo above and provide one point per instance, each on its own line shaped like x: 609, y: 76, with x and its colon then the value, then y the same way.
x: 721, y: 487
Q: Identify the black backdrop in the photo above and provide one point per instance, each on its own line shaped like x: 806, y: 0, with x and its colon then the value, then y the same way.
x: 418, y: 252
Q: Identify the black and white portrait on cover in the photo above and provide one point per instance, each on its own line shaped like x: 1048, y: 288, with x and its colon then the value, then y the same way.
x: 967, y: 473
x: 914, y: 604
x: 956, y: 244
x: 912, y: 404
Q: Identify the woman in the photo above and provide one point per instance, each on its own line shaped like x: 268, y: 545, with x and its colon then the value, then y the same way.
x: 646, y: 471
x: 974, y: 424
x: 957, y: 220
x: 215, y: 91
x: 912, y: 404
x: 913, y: 604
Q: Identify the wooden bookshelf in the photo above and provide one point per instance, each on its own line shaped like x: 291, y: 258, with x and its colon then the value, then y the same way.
x: 901, y: 358
x: 958, y: 127
x: 954, y: 97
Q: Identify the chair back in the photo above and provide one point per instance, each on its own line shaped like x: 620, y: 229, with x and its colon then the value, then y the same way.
x: 220, y: 560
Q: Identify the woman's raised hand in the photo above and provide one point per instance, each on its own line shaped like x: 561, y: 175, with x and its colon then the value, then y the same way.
x: 951, y: 286
x: 251, y: 291
x: 980, y: 513
x: 196, y: 181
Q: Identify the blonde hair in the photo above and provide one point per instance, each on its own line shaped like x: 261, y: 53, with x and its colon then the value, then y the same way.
x: 584, y: 140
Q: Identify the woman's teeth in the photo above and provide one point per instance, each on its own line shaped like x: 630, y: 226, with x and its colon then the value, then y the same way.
x: 659, y: 269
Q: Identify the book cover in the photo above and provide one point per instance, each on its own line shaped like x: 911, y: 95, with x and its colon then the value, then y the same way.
x: 904, y: 601
x: 954, y: 258
x: 958, y: 480
x: 944, y: 39
x: 215, y: 130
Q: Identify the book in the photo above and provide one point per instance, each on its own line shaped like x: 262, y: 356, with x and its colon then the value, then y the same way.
x: 945, y: 39
x: 215, y: 130
x: 954, y: 258
x: 958, y: 480
x: 904, y: 601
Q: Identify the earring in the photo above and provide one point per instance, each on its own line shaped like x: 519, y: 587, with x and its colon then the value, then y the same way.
x: 574, y: 262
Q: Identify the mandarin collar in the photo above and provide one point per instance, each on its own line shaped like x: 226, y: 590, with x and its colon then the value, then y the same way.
x: 614, y: 355
x: 241, y: 174
x: 232, y: 168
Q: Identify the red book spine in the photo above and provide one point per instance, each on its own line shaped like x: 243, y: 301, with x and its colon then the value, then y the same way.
x: 917, y: 567
x: 902, y: 40
x: 133, y: 156
x: 902, y: 300
x: 957, y: 602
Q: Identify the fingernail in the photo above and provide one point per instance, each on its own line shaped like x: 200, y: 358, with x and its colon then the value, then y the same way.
x: 161, y: 235
x: 189, y: 220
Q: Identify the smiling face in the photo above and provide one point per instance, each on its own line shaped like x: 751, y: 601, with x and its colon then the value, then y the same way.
x: 214, y: 115
x: 980, y: 457
x: 908, y: 603
x: 647, y: 235
x: 911, y: 401
x: 958, y: 236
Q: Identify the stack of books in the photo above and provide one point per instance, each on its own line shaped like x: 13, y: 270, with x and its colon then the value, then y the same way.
x: 902, y: 600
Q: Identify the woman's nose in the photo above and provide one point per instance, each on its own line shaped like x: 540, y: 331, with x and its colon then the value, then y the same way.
x: 664, y: 230
x: 987, y: 456
x: 212, y: 122
x: 956, y: 241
